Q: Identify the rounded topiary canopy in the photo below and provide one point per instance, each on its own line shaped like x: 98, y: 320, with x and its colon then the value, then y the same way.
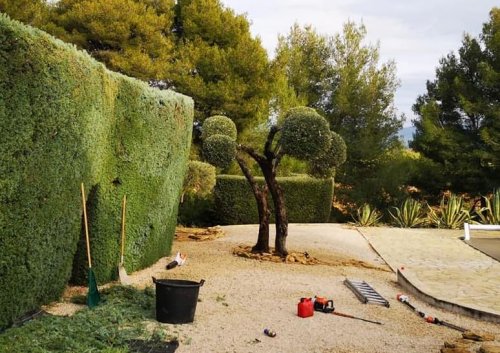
x: 199, y: 179
x: 324, y: 165
x: 219, y: 150
x: 305, y: 134
x: 219, y: 125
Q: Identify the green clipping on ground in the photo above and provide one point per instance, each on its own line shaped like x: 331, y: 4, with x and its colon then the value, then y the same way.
x: 308, y: 200
x: 125, y: 314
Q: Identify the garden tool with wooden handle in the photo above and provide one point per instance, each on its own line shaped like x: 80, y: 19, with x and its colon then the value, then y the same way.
x: 93, y: 296
x: 122, y: 273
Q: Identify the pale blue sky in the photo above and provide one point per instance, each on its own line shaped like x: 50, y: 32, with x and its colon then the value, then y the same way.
x: 414, y: 33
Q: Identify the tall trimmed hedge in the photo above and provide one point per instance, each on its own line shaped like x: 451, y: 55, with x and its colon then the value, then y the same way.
x: 65, y: 119
x: 308, y: 200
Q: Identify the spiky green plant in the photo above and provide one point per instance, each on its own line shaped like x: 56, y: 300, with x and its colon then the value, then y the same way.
x: 490, y: 214
x: 367, y: 216
x: 451, y: 214
x: 410, y: 214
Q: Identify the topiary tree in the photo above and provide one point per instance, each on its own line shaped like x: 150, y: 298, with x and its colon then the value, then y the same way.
x: 199, y: 179
x: 303, y: 134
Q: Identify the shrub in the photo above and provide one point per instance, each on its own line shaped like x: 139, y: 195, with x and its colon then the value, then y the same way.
x: 451, y: 214
x: 490, y: 214
x: 65, y: 119
x: 308, y: 200
x: 199, y: 179
x: 197, y: 211
x: 367, y: 216
x: 409, y: 215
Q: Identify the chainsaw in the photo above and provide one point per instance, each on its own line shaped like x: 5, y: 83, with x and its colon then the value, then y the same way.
x: 324, y: 305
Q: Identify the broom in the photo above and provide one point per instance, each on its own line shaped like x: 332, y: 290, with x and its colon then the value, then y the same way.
x: 93, y: 297
x: 122, y: 272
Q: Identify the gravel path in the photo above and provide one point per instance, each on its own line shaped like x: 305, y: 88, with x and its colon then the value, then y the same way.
x: 241, y: 297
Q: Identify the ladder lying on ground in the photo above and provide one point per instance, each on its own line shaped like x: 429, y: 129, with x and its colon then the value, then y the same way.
x: 366, y: 293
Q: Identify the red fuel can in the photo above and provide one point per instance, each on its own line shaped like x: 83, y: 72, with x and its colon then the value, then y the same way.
x: 305, y: 308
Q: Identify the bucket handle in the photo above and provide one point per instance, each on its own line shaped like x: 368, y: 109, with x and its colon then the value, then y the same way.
x: 201, y: 282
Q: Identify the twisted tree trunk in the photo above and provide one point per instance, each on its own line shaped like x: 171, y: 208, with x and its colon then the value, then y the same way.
x: 268, y: 164
x: 272, y: 159
x: 260, y: 194
x: 280, y: 213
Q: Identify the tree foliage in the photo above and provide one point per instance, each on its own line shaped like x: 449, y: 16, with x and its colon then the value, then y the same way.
x: 219, y: 64
x: 199, y: 179
x: 221, y: 125
x: 324, y: 165
x: 129, y: 36
x: 219, y: 150
x: 305, y: 134
x: 31, y: 12
x: 342, y: 78
x: 458, y: 123
x: 302, y: 69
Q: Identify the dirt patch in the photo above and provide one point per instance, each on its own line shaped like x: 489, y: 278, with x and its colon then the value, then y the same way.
x: 301, y: 258
x: 293, y: 257
x: 198, y: 234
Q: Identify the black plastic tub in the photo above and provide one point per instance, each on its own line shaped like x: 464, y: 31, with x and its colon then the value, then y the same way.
x: 176, y: 300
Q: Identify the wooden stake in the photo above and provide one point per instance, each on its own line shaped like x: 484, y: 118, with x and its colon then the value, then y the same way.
x: 84, y: 205
x: 124, y: 205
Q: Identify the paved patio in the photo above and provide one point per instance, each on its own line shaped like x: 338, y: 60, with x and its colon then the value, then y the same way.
x: 442, y: 269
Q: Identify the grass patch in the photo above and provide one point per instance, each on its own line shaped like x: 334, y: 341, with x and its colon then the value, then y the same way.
x: 125, y: 315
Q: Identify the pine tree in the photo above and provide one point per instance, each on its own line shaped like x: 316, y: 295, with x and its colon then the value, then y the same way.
x: 130, y: 36
x: 458, y: 123
x: 31, y: 12
x: 219, y: 64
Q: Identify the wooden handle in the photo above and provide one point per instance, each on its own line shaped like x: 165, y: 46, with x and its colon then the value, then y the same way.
x: 84, y: 206
x: 124, y: 205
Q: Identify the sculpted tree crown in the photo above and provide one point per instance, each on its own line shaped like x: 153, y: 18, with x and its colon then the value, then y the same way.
x: 219, y: 125
x: 305, y: 134
x: 325, y: 165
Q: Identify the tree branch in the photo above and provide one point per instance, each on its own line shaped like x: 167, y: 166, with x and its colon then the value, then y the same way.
x: 252, y: 153
x: 248, y: 175
x: 269, y: 142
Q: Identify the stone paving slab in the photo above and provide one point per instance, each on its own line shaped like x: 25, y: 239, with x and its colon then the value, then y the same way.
x: 441, y: 266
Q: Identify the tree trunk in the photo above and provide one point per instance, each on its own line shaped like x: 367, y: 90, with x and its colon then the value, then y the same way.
x: 280, y: 213
x: 262, y: 244
x: 260, y: 194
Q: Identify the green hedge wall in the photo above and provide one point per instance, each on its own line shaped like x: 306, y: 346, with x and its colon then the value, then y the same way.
x: 65, y: 119
x: 308, y: 200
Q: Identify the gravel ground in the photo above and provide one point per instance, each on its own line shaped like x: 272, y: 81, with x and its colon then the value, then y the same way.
x: 241, y: 297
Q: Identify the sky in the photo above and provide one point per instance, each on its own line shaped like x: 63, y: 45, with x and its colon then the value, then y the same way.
x: 413, y: 33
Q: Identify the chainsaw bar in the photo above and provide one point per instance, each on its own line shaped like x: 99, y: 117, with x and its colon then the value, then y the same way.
x: 366, y: 293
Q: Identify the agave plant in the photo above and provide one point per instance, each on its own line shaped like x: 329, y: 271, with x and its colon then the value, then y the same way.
x: 490, y: 214
x: 367, y: 216
x: 451, y: 214
x: 410, y: 214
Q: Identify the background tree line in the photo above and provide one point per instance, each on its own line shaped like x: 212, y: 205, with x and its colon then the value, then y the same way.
x: 205, y: 50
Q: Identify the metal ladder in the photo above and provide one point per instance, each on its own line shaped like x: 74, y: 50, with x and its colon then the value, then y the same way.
x: 366, y: 293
